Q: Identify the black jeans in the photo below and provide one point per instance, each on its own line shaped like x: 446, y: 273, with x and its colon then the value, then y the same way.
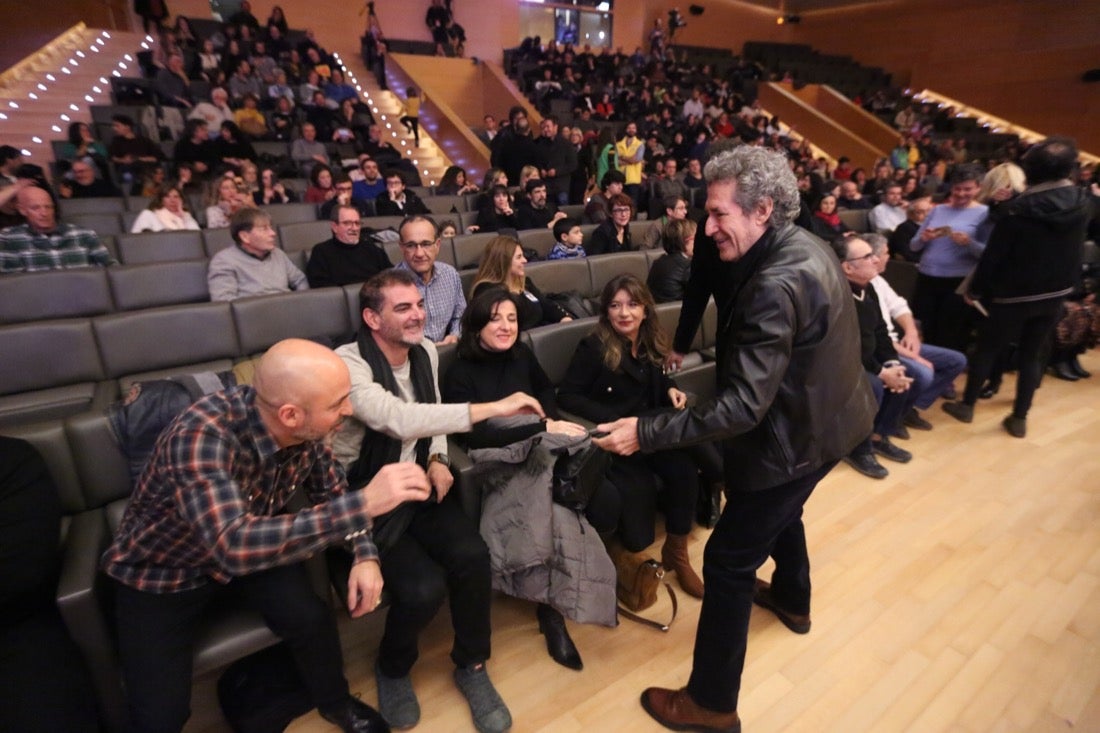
x: 1030, y: 326
x: 439, y: 556
x: 627, y: 501
x: 156, y: 633
x: 944, y: 316
x: 754, y: 525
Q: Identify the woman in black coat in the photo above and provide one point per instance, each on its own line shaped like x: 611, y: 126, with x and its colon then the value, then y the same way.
x: 503, y: 265
x: 613, y: 235
x: 669, y: 275
x: 618, y: 372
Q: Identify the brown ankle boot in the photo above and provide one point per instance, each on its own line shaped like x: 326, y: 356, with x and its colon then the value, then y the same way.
x: 674, y: 556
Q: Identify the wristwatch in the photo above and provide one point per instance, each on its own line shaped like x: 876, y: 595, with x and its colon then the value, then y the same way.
x: 440, y: 458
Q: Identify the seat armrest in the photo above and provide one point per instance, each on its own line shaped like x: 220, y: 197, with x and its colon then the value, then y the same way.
x: 469, y: 494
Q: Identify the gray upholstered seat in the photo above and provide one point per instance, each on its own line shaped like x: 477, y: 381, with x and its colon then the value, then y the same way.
x: 40, y: 296
x: 137, y: 249
x: 290, y: 213
x: 158, y: 283
x: 554, y: 345
x: 606, y: 267
x: 469, y: 248
x: 96, y: 205
x: 540, y: 240
x: 215, y: 240
x: 559, y: 276
x: 304, y: 235
x: 320, y: 314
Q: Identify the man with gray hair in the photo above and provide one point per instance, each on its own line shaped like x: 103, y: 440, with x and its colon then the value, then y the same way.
x: 791, y: 401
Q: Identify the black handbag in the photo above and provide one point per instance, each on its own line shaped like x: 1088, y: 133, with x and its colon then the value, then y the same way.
x: 577, y: 475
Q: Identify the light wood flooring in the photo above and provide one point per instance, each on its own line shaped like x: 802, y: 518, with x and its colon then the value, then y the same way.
x: 962, y: 593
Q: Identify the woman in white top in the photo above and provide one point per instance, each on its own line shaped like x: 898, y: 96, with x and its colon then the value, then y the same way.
x: 225, y: 199
x: 167, y: 212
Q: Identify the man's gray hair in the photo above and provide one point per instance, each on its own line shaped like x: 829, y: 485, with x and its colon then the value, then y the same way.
x: 877, y: 241
x: 759, y: 174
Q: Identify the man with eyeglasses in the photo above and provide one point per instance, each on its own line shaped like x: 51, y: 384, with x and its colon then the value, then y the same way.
x: 397, y: 200
x: 345, y: 196
x: 438, y: 282
x: 347, y: 257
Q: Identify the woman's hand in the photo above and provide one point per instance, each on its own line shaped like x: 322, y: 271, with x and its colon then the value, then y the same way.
x: 564, y: 427
x: 678, y: 398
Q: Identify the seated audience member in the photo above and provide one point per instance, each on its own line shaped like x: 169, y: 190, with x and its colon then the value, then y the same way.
x: 455, y: 183
x: 491, y: 365
x: 214, y: 112
x: 132, y: 154
x: 44, y: 243
x: 497, y: 214
x: 232, y: 148
x: 503, y: 265
x: 172, y: 85
x: 951, y: 240
x: 888, y: 216
x: 569, y: 239
x: 84, y: 184
x: 255, y: 266
x: 350, y: 125
x: 900, y: 238
x: 194, y: 147
x: 598, y: 208
x: 668, y: 276
x: 225, y: 197
x: 826, y: 221
x: 345, y: 196
x: 618, y: 371
x: 527, y: 174
x: 493, y: 177
x: 430, y: 551
x: 250, y: 119
x: 282, y: 121
x: 676, y: 209
x: 933, y: 368
x: 167, y: 212
x: 614, y: 234
x: 347, y: 257
x: 244, y: 82
x: 272, y: 190
x: 217, y: 483
x: 397, y: 200
x: 880, y: 361
x: 438, y: 283
x: 372, y: 184
x: 851, y: 198
x: 337, y: 90
x: 307, y: 151
x: 693, y: 177
x: 448, y: 229
x: 321, y: 188
x: 537, y: 212
x: 82, y: 145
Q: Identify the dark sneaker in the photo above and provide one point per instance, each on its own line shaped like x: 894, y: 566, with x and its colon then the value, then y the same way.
x: 1016, y: 426
x: 960, y: 411
x: 914, y: 420
x: 886, y: 449
x: 866, y: 464
x: 397, y: 701
x: 488, y: 709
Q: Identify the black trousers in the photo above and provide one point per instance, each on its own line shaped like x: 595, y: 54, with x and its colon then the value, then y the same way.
x: 944, y: 316
x: 156, y: 633
x: 439, y: 556
x: 754, y: 525
x: 412, y: 124
x: 627, y: 501
x: 1030, y: 326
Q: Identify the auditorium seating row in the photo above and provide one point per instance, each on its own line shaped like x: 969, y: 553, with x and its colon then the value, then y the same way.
x: 104, y: 354
x: 93, y: 479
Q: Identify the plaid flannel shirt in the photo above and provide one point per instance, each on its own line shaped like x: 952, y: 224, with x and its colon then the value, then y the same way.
x: 25, y: 250
x: 207, y: 506
x: 443, y: 300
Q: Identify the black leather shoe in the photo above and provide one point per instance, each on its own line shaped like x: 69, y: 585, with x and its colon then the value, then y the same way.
x: 959, y: 410
x: 901, y: 432
x: 913, y: 419
x: 1076, y: 368
x: 886, y: 449
x: 355, y: 716
x: 1063, y: 370
x: 989, y: 390
x: 558, y: 643
x: 866, y: 464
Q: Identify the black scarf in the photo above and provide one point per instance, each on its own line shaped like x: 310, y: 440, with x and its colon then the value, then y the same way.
x: 378, y: 449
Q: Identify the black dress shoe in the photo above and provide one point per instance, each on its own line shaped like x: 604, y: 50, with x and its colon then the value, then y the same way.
x: 1062, y: 370
x: 866, y: 464
x: 561, y: 647
x: 901, y: 432
x: 1076, y: 368
x: 355, y: 716
x: 886, y: 449
x: 913, y: 419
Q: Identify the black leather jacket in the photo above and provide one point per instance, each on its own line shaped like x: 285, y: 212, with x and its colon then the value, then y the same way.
x: 792, y: 395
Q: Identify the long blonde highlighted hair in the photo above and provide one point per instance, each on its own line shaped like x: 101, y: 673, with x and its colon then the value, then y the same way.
x: 496, y: 265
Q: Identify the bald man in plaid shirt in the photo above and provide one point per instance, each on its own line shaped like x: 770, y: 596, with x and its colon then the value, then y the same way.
x: 43, y: 243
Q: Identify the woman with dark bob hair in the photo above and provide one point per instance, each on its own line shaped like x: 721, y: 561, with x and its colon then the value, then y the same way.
x: 504, y: 265
x: 491, y: 364
x: 668, y: 276
x: 618, y: 372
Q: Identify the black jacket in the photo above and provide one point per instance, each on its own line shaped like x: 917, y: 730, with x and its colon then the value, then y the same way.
x: 384, y: 206
x: 876, y: 348
x: 792, y: 395
x: 668, y: 277
x: 605, y: 240
x: 1034, y: 252
x: 594, y: 392
x: 335, y: 263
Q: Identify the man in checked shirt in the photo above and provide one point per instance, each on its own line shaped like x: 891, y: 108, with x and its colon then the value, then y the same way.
x: 207, y: 519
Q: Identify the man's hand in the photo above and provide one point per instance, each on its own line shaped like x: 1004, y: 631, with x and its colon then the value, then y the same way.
x: 960, y: 238
x: 911, y: 341
x: 441, y: 479
x: 621, y: 438
x: 928, y: 235
x: 564, y: 427
x: 678, y: 398
x: 518, y: 403
x: 894, y: 378
x: 674, y: 361
x: 364, y: 588
x: 395, y: 484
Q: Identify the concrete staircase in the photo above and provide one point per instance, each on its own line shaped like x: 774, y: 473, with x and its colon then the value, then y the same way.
x: 388, y: 108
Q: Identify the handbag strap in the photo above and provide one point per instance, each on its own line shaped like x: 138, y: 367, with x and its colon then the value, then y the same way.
x: 655, y: 624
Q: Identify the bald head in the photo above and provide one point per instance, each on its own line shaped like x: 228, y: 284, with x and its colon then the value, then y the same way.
x: 36, y: 206
x: 302, y: 391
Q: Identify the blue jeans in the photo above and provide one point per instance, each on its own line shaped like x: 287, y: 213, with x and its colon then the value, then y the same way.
x: 930, y: 383
x: 754, y: 525
x: 892, y: 406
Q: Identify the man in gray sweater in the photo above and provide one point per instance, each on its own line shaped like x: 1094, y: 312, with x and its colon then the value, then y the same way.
x: 255, y: 266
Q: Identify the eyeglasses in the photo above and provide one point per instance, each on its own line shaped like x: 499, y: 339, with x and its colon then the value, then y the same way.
x: 866, y: 257
x: 350, y: 223
x: 620, y: 210
x: 413, y: 246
